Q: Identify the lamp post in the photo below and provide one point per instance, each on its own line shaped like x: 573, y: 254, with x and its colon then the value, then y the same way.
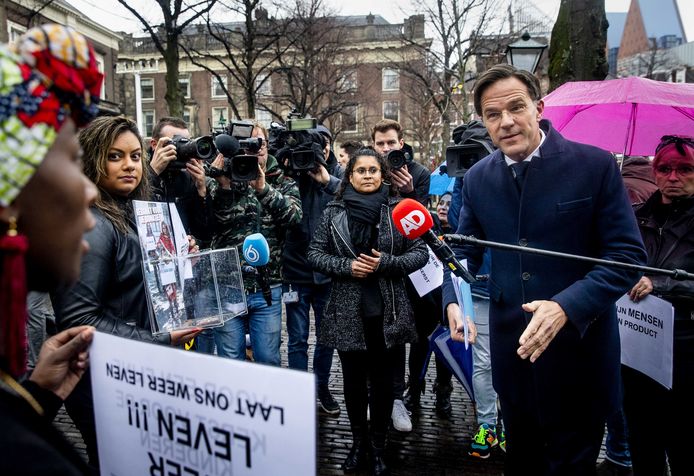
x: 525, y: 53
x: 222, y: 122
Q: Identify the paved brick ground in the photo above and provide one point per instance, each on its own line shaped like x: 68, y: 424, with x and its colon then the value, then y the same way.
x: 435, y: 447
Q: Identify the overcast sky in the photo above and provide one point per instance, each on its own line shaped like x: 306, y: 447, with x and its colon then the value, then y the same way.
x: 116, y: 17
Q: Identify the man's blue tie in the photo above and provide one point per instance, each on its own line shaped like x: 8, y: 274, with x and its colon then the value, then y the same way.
x: 518, y: 169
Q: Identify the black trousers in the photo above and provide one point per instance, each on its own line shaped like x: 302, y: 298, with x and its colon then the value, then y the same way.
x: 371, y: 369
x: 565, y: 450
x: 427, y: 312
x: 659, y: 419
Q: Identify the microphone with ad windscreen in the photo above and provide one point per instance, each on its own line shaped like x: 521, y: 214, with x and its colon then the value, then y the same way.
x: 414, y: 221
x: 256, y: 252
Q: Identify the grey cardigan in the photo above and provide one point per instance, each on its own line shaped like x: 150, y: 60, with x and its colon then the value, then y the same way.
x: 331, y: 252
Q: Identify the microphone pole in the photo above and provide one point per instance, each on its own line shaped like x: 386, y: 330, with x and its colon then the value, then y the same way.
x: 678, y: 274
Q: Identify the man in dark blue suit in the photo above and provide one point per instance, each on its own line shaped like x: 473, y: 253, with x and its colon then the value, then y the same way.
x: 554, y: 336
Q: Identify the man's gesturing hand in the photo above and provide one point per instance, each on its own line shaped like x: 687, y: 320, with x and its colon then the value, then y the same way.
x: 548, y: 319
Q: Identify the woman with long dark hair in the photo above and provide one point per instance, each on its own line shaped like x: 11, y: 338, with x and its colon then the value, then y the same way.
x: 368, y: 312
x: 110, y: 294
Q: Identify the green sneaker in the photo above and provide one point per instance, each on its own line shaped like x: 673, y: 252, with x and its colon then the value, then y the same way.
x: 483, y: 442
x: 502, y: 441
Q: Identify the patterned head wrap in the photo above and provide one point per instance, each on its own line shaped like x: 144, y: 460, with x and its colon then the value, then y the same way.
x: 49, y: 75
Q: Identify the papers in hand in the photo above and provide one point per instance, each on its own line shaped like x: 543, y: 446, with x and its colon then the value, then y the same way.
x: 463, y: 295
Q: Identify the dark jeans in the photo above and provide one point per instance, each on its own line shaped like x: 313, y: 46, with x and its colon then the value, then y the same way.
x: 375, y: 365
x: 616, y: 444
x: 565, y: 450
x: 298, y: 323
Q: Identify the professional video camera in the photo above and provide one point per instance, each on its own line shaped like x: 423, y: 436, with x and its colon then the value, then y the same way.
x: 239, y: 150
x: 298, y: 143
x: 472, y: 144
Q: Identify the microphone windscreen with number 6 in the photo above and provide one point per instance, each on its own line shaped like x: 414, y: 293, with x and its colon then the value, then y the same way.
x: 227, y: 145
x: 256, y: 251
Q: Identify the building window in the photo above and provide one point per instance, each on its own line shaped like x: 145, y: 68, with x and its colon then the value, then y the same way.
x: 14, y: 31
x: 188, y: 118
x: 263, y: 85
x: 349, y: 119
x: 220, y: 117
x: 184, y: 86
x: 391, y: 79
x: 391, y: 110
x: 263, y: 116
x: 219, y: 88
x: 348, y: 82
x: 147, y: 88
x: 100, y: 67
x: 147, y: 123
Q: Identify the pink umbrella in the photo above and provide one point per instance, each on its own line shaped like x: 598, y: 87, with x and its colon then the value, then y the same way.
x: 622, y: 115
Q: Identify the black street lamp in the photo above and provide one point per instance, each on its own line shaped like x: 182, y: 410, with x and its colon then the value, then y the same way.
x: 525, y: 53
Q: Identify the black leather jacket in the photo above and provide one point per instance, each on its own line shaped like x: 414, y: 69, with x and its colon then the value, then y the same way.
x: 110, y: 294
x: 670, y: 246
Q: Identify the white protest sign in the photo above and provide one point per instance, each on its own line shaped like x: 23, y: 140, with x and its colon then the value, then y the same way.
x: 163, y: 411
x: 646, y: 332
x: 429, y: 277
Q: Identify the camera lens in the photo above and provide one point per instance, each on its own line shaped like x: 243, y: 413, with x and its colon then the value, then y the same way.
x: 397, y: 159
x: 205, y: 148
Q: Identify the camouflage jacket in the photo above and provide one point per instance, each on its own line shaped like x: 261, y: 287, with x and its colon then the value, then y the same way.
x: 241, y: 211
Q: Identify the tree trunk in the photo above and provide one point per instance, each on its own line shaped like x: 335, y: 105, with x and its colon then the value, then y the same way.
x: 577, y: 51
x: 174, y: 98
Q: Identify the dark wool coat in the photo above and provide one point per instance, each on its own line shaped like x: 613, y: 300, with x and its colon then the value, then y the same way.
x: 331, y: 252
x: 573, y: 202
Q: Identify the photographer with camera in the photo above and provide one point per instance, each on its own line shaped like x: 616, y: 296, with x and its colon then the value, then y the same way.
x: 305, y: 288
x: 268, y: 205
x: 179, y: 180
x: 412, y: 180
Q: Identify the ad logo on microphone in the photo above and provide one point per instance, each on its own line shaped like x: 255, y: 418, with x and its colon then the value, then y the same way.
x: 412, y: 221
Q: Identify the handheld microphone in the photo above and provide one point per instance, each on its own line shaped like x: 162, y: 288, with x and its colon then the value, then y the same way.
x: 227, y: 145
x: 414, y: 221
x: 256, y: 252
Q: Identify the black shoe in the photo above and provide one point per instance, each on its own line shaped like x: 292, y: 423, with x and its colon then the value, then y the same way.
x: 443, y: 400
x: 378, y: 464
x: 328, y: 405
x: 357, y: 456
x: 413, y: 397
x: 608, y: 468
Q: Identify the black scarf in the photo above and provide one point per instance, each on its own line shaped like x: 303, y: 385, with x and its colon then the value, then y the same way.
x: 364, y: 212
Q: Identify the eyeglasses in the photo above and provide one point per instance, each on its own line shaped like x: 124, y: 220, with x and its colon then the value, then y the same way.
x: 679, y: 142
x: 370, y: 171
x: 682, y: 170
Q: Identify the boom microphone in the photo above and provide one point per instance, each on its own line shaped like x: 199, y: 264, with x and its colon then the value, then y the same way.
x: 414, y: 221
x: 256, y: 252
x: 227, y: 145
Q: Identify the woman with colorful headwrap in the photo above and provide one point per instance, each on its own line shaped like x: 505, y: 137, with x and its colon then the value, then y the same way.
x: 658, y: 418
x: 49, y: 86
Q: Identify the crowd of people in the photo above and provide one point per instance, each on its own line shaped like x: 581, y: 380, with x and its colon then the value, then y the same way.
x: 546, y: 351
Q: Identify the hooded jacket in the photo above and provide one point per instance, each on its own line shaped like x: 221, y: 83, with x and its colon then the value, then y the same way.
x: 241, y: 211
x: 314, y: 198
